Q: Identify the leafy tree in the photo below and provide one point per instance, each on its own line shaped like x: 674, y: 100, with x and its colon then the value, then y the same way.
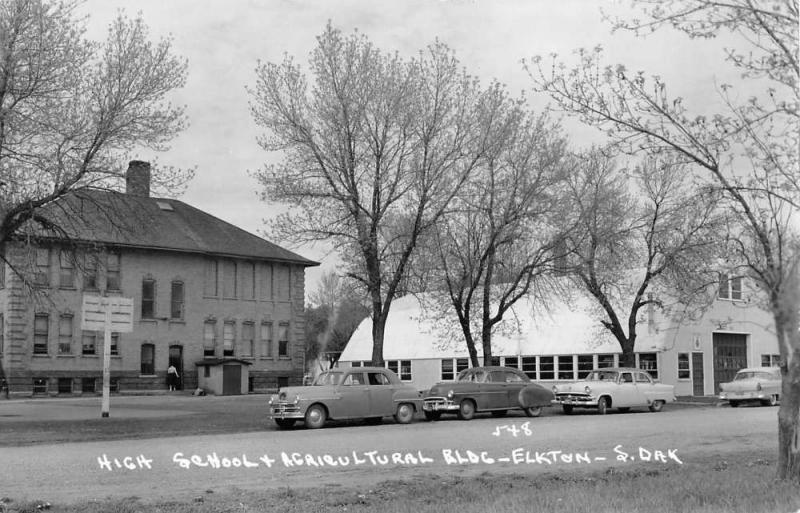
x: 70, y: 108
x: 498, y: 237
x: 749, y: 150
x: 374, y: 149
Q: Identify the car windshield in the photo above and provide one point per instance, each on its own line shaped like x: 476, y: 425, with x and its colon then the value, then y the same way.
x: 472, y: 375
x: 752, y: 375
x: 328, y: 378
x: 602, y: 376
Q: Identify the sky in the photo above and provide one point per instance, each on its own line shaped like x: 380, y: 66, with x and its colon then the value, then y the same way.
x: 224, y: 40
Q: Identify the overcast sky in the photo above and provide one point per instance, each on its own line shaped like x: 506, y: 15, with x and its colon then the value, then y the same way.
x: 223, y: 41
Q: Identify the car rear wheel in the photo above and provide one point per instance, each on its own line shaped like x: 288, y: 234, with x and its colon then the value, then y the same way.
x: 602, y: 405
x: 567, y: 408
x: 656, y: 406
x: 405, y: 412
x: 533, y: 411
x: 499, y: 413
x: 315, y: 416
x: 466, y: 410
x: 734, y: 404
x: 432, y: 415
x: 284, y: 423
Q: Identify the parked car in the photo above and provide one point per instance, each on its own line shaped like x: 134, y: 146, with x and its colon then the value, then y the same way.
x: 621, y: 388
x: 493, y: 389
x: 754, y: 384
x: 349, y: 393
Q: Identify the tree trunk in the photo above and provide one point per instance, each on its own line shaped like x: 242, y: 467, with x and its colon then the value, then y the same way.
x: 627, y: 358
x: 378, y: 328
x: 787, y: 328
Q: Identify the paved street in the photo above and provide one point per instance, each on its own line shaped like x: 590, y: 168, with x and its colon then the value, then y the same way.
x: 189, y: 466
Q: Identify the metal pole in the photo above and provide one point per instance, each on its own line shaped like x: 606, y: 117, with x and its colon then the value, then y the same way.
x: 106, y: 357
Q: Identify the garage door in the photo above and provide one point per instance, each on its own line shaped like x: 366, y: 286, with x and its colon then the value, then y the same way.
x: 730, y: 355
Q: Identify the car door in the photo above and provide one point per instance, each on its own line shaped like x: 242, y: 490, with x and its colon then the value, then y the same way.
x: 381, y: 394
x: 514, y: 384
x: 495, y: 390
x: 353, y: 399
x: 625, y: 392
x: 645, y: 389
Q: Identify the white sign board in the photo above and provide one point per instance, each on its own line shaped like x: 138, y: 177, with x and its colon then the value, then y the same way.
x: 118, y: 309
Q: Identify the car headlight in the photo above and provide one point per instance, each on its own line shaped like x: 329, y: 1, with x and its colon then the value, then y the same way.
x: 296, y: 399
x: 450, y: 394
x: 587, y: 389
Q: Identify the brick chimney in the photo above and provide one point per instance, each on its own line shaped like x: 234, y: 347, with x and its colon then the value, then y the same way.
x: 137, y: 178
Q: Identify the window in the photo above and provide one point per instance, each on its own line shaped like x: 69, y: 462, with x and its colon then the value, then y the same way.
x: 266, y: 339
x: 42, y: 273
x: 605, y: 360
x: 767, y: 360
x: 512, y: 361
x: 357, y: 364
x: 229, y: 279
x: 447, y: 370
x: 89, y: 342
x: 148, y: 299
x: 112, y: 272
x: 649, y: 362
x: 281, y: 282
x: 41, y: 333
x: 566, y: 367
x: 114, y: 344
x: 228, y: 338
x: 248, y: 338
x: 494, y: 360
x: 176, y: 301
x: 249, y: 280
x: 283, y: 340
x: 2, y: 335
x: 461, y: 364
x: 113, y: 385
x: 90, y: 272
x: 684, y: 371
x: 529, y: 366
x: 730, y: 287
x: 400, y: 367
x: 64, y: 385
x: 211, y: 285
x: 266, y: 281
x: 65, y: 334
x: 66, y: 276
x: 39, y: 385
x: 377, y: 378
x: 209, y: 338
x: 546, y: 367
x: 585, y: 365
x: 206, y: 371
x: 148, y: 359
x: 88, y: 385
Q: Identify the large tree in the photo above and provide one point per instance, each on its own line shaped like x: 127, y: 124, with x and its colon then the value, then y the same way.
x: 71, y: 109
x: 373, y: 150
x: 749, y: 149
x: 643, y: 238
x: 498, y: 238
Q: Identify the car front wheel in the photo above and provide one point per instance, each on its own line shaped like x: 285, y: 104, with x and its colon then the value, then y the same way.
x: 533, y: 411
x: 466, y: 410
x: 772, y: 401
x: 657, y: 406
x: 315, y: 416
x: 405, y: 412
x: 602, y: 405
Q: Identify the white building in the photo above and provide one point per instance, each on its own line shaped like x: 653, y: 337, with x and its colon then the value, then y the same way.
x: 566, y: 341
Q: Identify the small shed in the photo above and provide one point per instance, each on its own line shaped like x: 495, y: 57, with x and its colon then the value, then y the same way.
x: 223, y: 376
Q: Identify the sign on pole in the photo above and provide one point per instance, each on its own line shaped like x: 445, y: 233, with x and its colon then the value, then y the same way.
x: 107, y: 314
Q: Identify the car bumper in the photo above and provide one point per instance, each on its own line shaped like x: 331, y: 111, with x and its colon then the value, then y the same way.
x: 575, y: 400
x: 438, y: 404
x: 743, y: 396
x: 285, y: 411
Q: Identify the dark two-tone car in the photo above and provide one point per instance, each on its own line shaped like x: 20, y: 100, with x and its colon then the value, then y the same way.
x: 486, y: 389
x: 349, y: 393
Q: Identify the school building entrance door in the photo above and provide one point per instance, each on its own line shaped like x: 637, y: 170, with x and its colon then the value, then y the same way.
x: 730, y: 355
x: 176, y: 360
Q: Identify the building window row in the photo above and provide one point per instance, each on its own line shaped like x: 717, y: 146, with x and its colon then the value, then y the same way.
x: 246, y: 345
x: 41, y: 337
x: 237, y: 279
x: 177, y: 301
x: 770, y: 360
x: 89, y: 265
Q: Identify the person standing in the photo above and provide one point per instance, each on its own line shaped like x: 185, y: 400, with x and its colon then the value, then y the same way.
x: 172, y: 377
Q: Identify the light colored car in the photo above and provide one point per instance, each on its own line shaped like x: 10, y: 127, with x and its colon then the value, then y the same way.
x: 350, y: 393
x: 619, y: 387
x: 753, y: 384
x: 493, y: 389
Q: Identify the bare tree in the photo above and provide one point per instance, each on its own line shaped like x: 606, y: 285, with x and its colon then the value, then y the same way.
x: 643, y: 239
x: 373, y: 151
x: 498, y: 238
x: 70, y: 108
x: 749, y: 150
